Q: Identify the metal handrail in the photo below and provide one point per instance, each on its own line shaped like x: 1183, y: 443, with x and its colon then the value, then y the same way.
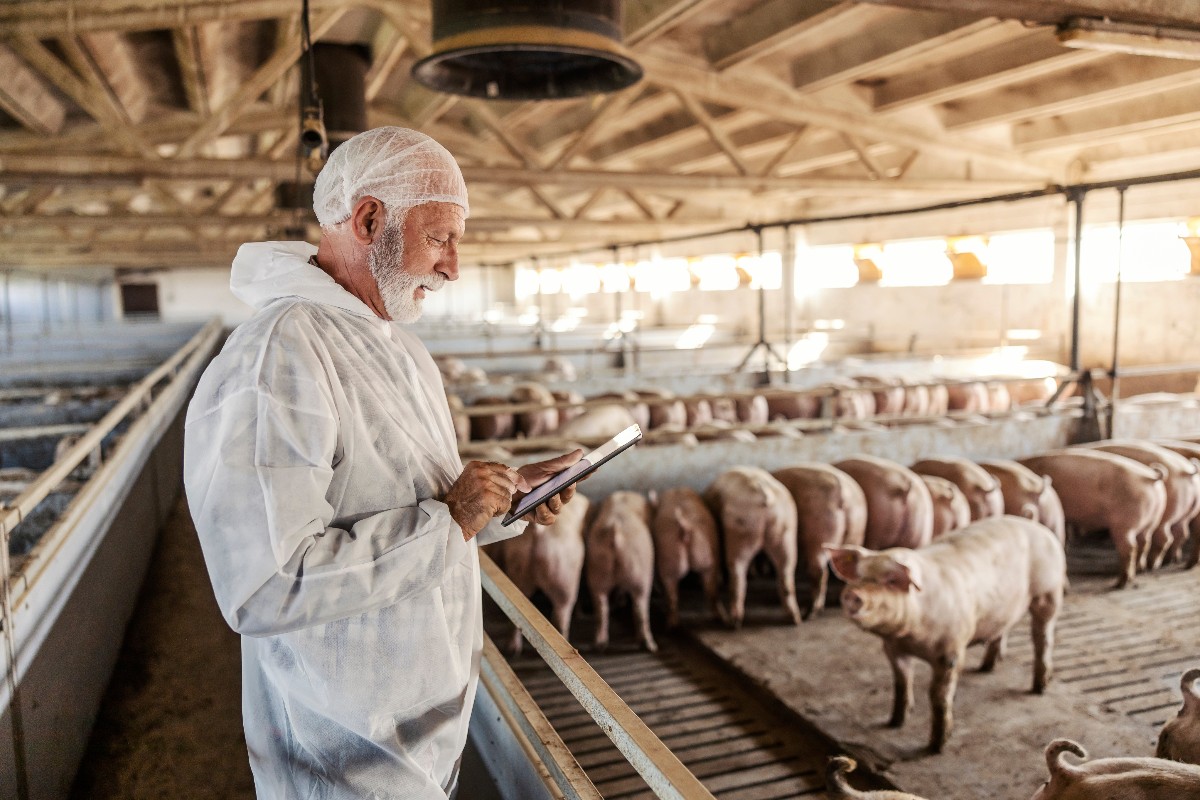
x: 665, y: 774
x: 139, y: 395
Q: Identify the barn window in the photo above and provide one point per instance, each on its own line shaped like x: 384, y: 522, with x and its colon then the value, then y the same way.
x: 1020, y: 257
x: 826, y: 267
x: 915, y: 262
x: 716, y: 273
x: 1151, y: 251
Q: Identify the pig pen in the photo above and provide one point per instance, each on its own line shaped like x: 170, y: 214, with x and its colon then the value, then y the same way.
x: 1118, y: 658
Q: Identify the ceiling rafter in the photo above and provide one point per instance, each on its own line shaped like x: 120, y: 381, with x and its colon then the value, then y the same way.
x: 718, y: 136
x: 774, y: 100
x: 767, y: 29
x: 389, y: 47
x: 275, y: 67
x: 194, y: 69
x: 26, y: 98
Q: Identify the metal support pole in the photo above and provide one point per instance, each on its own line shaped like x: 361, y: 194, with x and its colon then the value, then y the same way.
x: 762, y: 343
x: 8, y: 317
x: 45, y: 305
x: 788, y: 263
x: 1114, y: 372
x: 1076, y: 307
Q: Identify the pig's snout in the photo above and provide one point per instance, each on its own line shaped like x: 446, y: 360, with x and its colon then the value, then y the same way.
x: 852, y: 602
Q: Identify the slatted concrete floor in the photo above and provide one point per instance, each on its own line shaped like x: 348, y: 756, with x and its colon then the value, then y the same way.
x: 740, y: 748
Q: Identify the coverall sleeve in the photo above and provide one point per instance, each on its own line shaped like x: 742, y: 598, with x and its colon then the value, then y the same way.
x: 257, y: 471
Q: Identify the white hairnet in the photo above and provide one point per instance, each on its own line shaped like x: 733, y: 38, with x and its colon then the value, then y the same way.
x: 401, y: 167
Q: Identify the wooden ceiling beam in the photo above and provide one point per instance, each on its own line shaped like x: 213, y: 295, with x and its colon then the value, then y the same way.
x: 275, y: 67
x: 646, y: 20
x: 108, y: 58
x: 1151, y: 12
x: 897, y: 37
x: 26, y: 98
x: 90, y: 98
x: 1032, y: 57
x: 718, y: 136
x: 25, y: 168
x: 767, y: 29
x: 389, y: 47
x: 613, y: 107
x: 1111, y: 122
x: 1116, y: 78
x: 194, y: 69
x: 789, y: 106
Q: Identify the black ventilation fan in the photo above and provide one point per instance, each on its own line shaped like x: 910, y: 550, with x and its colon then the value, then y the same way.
x: 532, y: 50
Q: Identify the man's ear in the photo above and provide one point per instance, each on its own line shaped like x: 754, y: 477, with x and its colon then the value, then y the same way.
x: 367, y: 220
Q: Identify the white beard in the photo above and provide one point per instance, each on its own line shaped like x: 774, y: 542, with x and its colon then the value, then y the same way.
x: 397, y: 287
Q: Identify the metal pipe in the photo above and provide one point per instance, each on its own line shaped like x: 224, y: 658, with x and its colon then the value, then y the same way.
x: 1113, y: 373
x: 1077, y: 301
x: 8, y: 318
x: 659, y: 767
x: 788, y: 263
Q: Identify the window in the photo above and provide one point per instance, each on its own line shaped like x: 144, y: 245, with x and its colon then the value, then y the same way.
x: 1020, y: 257
x: 716, y: 273
x: 1150, y: 251
x: 915, y: 262
x: 827, y: 267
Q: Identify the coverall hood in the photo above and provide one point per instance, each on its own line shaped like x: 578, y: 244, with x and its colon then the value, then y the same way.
x: 266, y: 271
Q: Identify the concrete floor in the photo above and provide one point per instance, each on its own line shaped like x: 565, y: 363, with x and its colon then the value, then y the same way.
x: 170, y: 724
x: 1118, y: 659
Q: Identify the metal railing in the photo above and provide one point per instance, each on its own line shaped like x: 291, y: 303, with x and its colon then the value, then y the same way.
x: 663, y: 772
x: 16, y: 588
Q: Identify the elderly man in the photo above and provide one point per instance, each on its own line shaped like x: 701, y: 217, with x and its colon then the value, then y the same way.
x: 338, y: 524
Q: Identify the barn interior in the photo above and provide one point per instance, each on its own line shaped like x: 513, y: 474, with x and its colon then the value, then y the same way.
x: 773, y: 233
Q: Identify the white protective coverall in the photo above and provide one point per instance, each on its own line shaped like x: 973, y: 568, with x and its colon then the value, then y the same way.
x: 315, y: 445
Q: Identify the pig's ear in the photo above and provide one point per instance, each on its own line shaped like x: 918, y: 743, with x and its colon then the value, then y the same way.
x: 1030, y: 511
x: 845, y: 560
x: 897, y: 575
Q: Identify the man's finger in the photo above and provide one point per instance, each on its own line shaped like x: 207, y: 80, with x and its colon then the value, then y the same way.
x: 544, y: 516
x: 554, y: 504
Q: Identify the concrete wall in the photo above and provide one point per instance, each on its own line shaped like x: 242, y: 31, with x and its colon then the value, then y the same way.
x: 32, y: 304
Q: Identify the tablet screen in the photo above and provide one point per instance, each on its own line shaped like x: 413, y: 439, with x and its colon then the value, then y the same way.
x: 590, y: 462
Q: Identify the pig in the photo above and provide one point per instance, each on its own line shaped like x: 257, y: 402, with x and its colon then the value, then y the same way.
x: 664, y: 408
x: 724, y: 409
x: 787, y: 404
x: 1033, y: 391
x: 1190, y: 451
x: 752, y: 410
x: 550, y: 558
x: 889, y: 394
x: 698, y: 410
x: 1116, y: 778
x: 671, y: 434
x: 1104, y: 491
x: 1027, y: 494
x: 950, y: 508
x: 620, y: 556
x: 452, y: 368
x: 916, y: 401
x: 492, y: 426
x: 1183, y: 493
x: 969, y: 587
x: 851, y: 402
x: 565, y: 415
x: 714, y: 431
x: 686, y: 540
x: 999, y: 398
x: 462, y: 423
x: 483, y: 451
x: 971, y: 397
x: 598, y: 422
x: 1179, y: 739
x: 558, y: 369
x: 541, y: 422
x: 981, y: 489
x: 830, y: 510
x: 639, y: 410
x: 836, y: 787
x: 756, y: 513
x: 939, y: 400
x: 899, y: 508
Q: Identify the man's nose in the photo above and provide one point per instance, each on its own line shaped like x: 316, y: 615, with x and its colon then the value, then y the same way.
x: 448, y: 266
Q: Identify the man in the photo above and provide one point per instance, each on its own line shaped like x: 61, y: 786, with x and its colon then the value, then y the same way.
x: 338, y: 524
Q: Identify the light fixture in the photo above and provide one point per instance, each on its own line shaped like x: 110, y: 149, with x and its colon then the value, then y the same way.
x: 1127, y: 37
x: 517, y: 50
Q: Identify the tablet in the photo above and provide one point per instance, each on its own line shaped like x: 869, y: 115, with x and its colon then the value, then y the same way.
x: 580, y: 469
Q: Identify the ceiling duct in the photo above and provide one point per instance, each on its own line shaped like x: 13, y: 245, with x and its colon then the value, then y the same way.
x: 341, y: 73
x: 527, y: 49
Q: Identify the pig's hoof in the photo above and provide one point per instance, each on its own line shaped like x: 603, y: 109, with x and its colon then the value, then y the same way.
x: 896, y: 722
x: 935, y: 748
x: 650, y: 646
x: 600, y: 647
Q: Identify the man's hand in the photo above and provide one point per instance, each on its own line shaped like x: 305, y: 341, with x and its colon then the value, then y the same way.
x: 484, y: 490
x: 538, y: 473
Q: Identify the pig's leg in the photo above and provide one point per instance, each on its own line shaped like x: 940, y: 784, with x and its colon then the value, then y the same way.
x: 941, y: 698
x: 1160, y: 545
x: 522, y: 577
x: 563, y: 607
x: 1044, y: 611
x: 600, y: 603
x: 514, y: 643
x: 995, y: 652
x: 785, y: 579
x: 1127, y: 544
x: 641, y: 620
x: 902, y: 680
x: 672, y: 589
x: 1194, y: 558
x: 712, y: 591
x: 818, y: 579
x: 737, y: 591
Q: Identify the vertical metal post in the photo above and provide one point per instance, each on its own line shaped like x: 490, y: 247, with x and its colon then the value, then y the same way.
x: 1077, y: 305
x: 788, y: 263
x: 8, y: 317
x: 45, y: 304
x: 1114, y: 372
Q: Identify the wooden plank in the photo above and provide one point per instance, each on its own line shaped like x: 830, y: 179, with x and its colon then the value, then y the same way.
x: 24, y: 97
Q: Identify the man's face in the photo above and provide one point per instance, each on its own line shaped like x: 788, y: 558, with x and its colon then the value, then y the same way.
x: 416, y: 252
